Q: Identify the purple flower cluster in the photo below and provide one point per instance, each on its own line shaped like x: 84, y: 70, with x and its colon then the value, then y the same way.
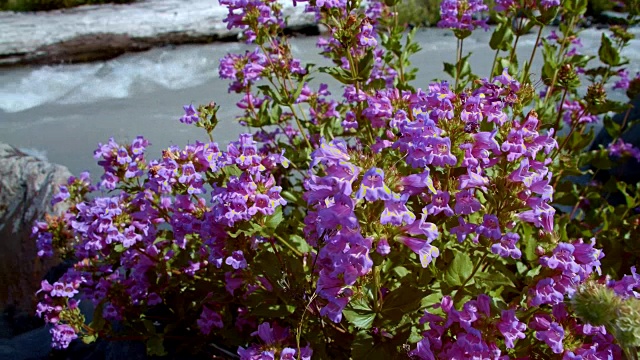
x: 620, y: 148
x: 243, y: 70
x: 208, y: 320
x: 557, y: 326
x: 461, y: 14
x: 274, y: 342
x: 345, y: 254
x: 569, y: 265
x: 58, y: 302
x: 421, y: 138
x: 459, y: 334
x: 129, y: 225
x: 120, y: 162
x: 628, y: 286
x: 574, y: 111
x: 251, y: 15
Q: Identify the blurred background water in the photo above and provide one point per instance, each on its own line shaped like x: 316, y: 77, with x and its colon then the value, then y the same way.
x: 62, y: 112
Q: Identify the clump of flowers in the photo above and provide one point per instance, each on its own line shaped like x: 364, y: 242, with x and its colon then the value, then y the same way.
x: 435, y: 222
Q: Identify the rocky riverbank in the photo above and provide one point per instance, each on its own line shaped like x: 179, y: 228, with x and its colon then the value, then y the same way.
x: 101, y: 32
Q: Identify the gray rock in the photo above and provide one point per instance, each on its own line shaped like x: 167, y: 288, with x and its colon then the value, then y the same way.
x: 35, y: 344
x: 88, y: 33
x: 27, y: 185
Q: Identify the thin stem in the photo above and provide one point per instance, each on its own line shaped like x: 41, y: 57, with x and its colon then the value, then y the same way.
x: 515, y: 44
x: 560, y: 54
x: 295, y: 116
x: 513, y: 49
x: 353, y: 66
x: 533, y: 54
x: 299, y: 332
x: 376, y: 289
x: 575, y: 124
x: 473, y: 273
x: 493, y: 66
x: 557, y: 124
x: 584, y: 190
x: 458, y: 62
x: 286, y: 243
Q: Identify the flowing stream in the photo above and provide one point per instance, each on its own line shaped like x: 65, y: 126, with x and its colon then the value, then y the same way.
x: 62, y: 112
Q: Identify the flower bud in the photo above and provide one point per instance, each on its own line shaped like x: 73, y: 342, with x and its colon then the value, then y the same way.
x: 596, y: 304
x: 596, y: 95
x: 567, y: 77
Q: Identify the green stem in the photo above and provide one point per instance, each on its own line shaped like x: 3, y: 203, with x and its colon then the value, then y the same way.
x: 458, y: 295
x: 559, y: 58
x: 286, y: 243
x: 458, y: 62
x: 376, y: 289
x: 566, y: 140
x: 493, y: 66
x: 515, y: 44
x: 525, y: 77
x: 564, y: 96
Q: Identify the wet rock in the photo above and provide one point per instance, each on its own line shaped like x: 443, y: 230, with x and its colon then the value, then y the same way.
x: 32, y: 345
x: 26, y: 187
x: 89, y: 33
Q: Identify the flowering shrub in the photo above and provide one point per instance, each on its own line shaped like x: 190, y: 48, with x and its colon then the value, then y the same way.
x: 391, y: 222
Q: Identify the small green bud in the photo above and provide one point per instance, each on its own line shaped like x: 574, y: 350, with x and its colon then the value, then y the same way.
x: 628, y: 324
x: 596, y: 95
x: 596, y: 304
x: 568, y: 78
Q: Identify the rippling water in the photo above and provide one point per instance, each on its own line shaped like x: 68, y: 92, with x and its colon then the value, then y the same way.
x: 64, y: 111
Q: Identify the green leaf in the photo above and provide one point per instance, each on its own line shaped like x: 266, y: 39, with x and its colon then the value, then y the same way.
x: 612, y: 127
x: 359, y: 313
x: 273, y: 310
x: 403, y: 300
x: 88, y: 339
x: 365, y: 65
x: 450, y: 69
x: 602, y: 161
x: 459, y: 269
x: 530, y: 244
x: 274, y: 220
x: 494, y: 279
x: 339, y: 74
x: 300, y: 244
x: 155, y: 346
x: 502, y: 37
x: 365, y: 347
x: 608, y: 53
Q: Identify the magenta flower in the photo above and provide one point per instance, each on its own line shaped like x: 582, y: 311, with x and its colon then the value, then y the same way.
x: 440, y: 154
x: 62, y: 335
x: 511, y: 328
x: 190, y: 116
x: 425, y: 251
x: 460, y: 14
x: 490, y: 227
x: 208, y: 320
x: 553, y: 337
x: 237, y: 260
x: 439, y: 204
x: 463, y: 229
x: 545, y: 293
x: 395, y: 211
x: 506, y: 247
x: 416, y: 183
x: 366, y: 37
x: 466, y: 203
x: 372, y: 187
